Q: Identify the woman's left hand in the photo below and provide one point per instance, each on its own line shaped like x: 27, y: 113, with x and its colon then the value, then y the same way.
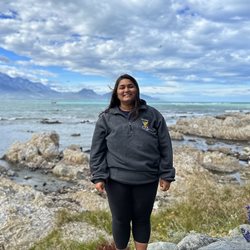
x: 164, y: 185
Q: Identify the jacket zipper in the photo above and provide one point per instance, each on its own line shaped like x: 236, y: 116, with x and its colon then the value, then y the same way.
x: 130, y: 127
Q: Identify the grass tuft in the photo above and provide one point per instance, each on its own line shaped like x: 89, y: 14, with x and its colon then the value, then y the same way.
x: 207, y: 208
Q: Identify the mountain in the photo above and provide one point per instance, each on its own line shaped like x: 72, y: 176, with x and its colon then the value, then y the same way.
x: 87, y: 93
x: 22, y: 88
x: 14, y: 87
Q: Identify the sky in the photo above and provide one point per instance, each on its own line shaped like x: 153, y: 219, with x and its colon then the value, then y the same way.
x: 178, y: 50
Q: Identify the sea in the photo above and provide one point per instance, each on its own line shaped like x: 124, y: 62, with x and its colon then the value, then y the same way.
x: 74, y: 120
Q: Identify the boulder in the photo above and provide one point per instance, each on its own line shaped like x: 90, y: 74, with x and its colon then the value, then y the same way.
x: 195, y: 241
x: 237, y: 243
x: 74, y: 163
x: 234, y: 126
x: 162, y: 246
x: 69, y: 171
x: 35, y: 153
x: 73, y: 155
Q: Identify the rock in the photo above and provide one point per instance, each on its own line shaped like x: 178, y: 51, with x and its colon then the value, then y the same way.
x: 210, y: 141
x: 234, y: 127
x: 237, y: 231
x: 73, y: 155
x: 187, y: 160
x: 90, y: 200
x: 73, y: 164
x: 47, y: 144
x: 246, y: 151
x: 11, y: 173
x: 85, y: 121
x: 83, y: 232
x: 75, y: 134
x: 245, y: 230
x: 47, y: 121
x: 176, y: 136
x: 224, y: 150
x: 35, y: 153
x: 25, y: 216
x: 2, y: 170
x: 219, y: 162
x: 162, y: 246
x: 195, y: 241
x: 27, y: 177
x: 237, y: 243
x: 71, y: 171
x: 245, y: 156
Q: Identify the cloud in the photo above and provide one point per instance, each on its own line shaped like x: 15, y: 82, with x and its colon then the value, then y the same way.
x: 183, y: 42
x: 4, y: 59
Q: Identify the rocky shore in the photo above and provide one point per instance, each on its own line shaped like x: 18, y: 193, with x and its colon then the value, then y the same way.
x: 29, y: 208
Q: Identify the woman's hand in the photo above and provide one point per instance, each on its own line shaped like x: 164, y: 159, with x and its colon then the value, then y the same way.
x: 100, y: 186
x: 164, y: 185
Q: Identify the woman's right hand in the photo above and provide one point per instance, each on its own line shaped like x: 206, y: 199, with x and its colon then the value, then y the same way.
x: 100, y: 186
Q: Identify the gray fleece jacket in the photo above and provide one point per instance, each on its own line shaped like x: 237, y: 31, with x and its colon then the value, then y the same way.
x: 131, y: 151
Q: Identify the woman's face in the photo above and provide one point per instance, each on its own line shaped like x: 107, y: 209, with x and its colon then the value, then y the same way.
x: 126, y: 92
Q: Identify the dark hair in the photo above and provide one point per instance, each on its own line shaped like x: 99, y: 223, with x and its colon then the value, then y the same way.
x: 115, y: 102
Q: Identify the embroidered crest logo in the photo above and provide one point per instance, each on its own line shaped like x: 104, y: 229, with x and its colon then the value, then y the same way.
x: 145, y: 124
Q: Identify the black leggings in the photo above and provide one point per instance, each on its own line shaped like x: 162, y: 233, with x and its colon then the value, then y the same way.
x: 130, y: 203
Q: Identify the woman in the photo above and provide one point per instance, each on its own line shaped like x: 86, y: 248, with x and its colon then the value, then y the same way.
x: 131, y: 152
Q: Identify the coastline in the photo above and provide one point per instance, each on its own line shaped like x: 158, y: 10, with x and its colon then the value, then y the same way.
x: 226, y: 146
x: 19, y: 119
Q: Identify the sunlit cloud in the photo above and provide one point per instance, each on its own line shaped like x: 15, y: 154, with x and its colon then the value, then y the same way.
x: 184, y: 45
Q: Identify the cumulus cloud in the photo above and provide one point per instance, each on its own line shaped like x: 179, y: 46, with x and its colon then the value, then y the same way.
x: 180, y: 42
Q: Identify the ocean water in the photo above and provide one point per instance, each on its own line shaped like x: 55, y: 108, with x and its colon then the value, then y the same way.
x: 19, y: 119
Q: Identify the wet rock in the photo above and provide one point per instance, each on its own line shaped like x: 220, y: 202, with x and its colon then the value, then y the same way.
x: 75, y: 134
x: 47, y: 121
x: 85, y: 121
x: 27, y: 177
